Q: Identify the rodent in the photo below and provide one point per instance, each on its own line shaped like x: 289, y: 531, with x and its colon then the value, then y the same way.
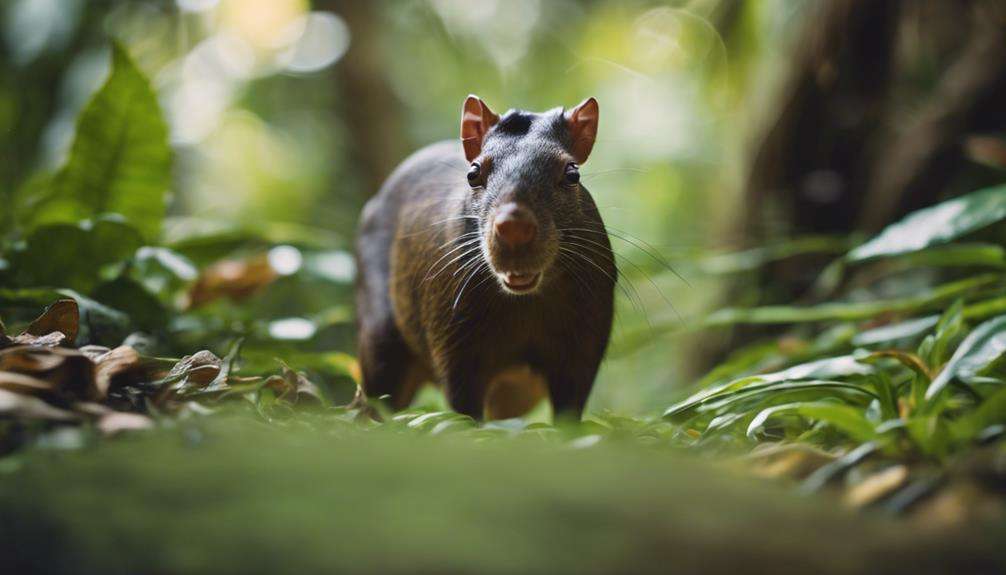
x: 486, y: 260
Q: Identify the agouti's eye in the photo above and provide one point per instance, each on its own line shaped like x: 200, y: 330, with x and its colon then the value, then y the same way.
x: 572, y: 173
x: 474, y: 175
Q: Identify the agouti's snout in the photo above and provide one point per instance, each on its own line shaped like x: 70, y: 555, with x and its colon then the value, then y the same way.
x: 515, y: 225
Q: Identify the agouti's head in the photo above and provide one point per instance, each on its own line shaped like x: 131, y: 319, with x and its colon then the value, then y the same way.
x: 524, y: 175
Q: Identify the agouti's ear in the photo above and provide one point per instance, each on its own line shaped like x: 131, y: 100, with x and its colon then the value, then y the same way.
x: 476, y: 119
x: 582, y: 122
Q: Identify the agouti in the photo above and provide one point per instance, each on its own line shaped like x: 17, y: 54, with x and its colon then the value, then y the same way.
x: 484, y: 265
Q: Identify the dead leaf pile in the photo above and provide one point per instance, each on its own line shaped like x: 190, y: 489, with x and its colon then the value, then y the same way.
x: 233, y: 279
x: 43, y: 378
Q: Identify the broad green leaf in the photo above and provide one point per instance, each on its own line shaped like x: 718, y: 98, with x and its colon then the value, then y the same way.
x: 162, y: 271
x: 756, y: 395
x: 982, y: 346
x: 896, y: 331
x: 907, y: 359
x: 950, y: 326
x: 849, y: 420
x: 123, y: 293
x: 937, y: 224
x: 205, y: 240
x: 852, y: 310
x: 753, y: 259
x: 821, y: 369
x: 994, y: 372
x: 120, y: 160
x: 930, y: 433
x: 957, y: 255
x: 73, y: 255
x: 985, y: 309
x: 99, y: 323
x: 992, y: 411
x: 825, y: 474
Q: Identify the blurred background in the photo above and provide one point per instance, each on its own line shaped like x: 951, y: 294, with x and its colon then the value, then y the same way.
x: 745, y: 144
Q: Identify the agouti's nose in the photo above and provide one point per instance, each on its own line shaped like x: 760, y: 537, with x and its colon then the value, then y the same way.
x: 515, y: 225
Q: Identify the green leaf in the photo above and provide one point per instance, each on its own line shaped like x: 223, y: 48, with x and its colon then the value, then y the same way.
x: 162, y: 272
x: 937, y: 224
x: 950, y: 326
x: 852, y: 310
x: 982, y: 346
x: 825, y: 368
x: 992, y: 411
x: 815, y: 481
x: 756, y: 258
x: 756, y: 395
x: 896, y: 331
x: 847, y: 419
x: 99, y: 323
x: 931, y: 434
x: 957, y: 255
x: 120, y: 160
x: 206, y: 240
x: 985, y: 309
x: 73, y: 255
x: 143, y: 308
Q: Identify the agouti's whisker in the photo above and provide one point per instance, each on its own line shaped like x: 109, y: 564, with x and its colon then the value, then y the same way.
x: 591, y: 175
x: 474, y: 272
x: 605, y: 272
x: 627, y: 285
x: 639, y: 244
x: 599, y: 250
x: 465, y: 244
x: 467, y: 265
x: 435, y: 225
x: 572, y: 268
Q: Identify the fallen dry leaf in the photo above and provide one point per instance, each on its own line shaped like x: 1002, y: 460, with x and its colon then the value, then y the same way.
x: 116, y: 422
x: 959, y: 504
x: 93, y: 352
x: 21, y: 383
x: 234, y: 279
x: 988, y: 150
x: 22, y: 406
x: 794, y: 461
x: 200, y: 368
x: 298, y: 386
x: 69, y: 372
x: 876, y: 486
x: 92, y: 409
x: 62, y: 316
x: 194, y: 371
x: 27, y: 359
x: 54, y: 339
x: 120, y: 363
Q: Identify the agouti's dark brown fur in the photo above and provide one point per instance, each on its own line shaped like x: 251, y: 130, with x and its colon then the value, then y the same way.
x: 484, y: 265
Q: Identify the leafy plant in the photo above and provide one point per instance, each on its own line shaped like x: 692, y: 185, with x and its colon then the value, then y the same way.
x: 905, y: 386
x: 255, y: 319
x: 120, y: 161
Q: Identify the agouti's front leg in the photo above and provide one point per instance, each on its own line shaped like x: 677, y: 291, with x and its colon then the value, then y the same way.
x: 569, y: 389
x: 465, y: 388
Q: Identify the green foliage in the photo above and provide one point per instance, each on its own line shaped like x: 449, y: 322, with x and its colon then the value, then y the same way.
x: 859, y: 310
x: 985, y: 345
x: 120, y: 161
x: 905, y: 385
x: 896, y: 353
x: 936, y: 225
x: 73, y: 255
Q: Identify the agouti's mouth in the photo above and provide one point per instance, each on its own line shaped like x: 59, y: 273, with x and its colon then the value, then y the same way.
x: 520, y: 282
